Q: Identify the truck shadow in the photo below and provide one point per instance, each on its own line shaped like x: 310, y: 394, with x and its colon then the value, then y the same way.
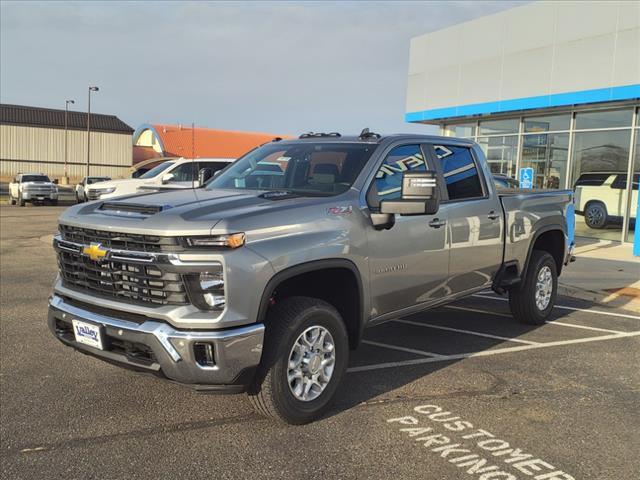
x: 388, y: 364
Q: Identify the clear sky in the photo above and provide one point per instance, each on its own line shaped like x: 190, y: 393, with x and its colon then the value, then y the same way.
x: 278, y: 67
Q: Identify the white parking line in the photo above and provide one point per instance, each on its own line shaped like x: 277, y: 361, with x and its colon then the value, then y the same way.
x: 468, y: 332
x: 553, y: 322
x: 584, y: 327
x: 402, y: 349
x: 563, y: 307
x: 476, y: 310
x: 485, y: 353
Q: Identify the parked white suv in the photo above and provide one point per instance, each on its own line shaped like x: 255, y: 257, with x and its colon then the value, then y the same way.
x: 599, y: 196
x: 181, y: 173
x: 81, y: 188
x: 34, y: 188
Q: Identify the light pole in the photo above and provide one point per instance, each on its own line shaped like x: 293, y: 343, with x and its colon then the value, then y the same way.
x: 91, y: 89
x: 66, y: 126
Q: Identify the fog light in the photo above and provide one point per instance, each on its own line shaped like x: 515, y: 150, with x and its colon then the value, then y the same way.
x: 203, y: 352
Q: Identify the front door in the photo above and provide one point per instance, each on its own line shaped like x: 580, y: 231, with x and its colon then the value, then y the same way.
x: 409, y: 263
x: 475, y: 220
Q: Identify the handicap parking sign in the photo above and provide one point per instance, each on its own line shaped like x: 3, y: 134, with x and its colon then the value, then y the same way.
x: 526, y: 177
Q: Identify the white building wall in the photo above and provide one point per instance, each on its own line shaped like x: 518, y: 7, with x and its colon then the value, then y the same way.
x: 543, y: 48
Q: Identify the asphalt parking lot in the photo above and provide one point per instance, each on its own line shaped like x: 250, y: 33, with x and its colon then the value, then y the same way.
x: 462, y: 392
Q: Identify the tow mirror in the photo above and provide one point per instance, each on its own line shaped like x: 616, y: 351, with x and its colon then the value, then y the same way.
x: 166, y: 178
x: 419, y: 197
x: 204, y: 175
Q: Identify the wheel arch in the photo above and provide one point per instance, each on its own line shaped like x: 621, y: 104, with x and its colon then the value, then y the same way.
x: 550, y: 239
x: 302, y: 280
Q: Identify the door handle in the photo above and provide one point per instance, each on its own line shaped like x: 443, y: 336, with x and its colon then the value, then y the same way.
x: 493, y: 215
x: 437, y: 223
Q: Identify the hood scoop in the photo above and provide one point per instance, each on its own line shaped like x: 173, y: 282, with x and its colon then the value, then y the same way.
x: 131, y: 209
x: 278, y: 195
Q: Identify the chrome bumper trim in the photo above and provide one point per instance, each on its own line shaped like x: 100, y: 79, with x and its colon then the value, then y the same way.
x: 235, y: 349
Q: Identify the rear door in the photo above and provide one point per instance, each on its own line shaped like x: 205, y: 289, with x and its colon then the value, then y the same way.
x: 474, y: 219
x: 408, y: 263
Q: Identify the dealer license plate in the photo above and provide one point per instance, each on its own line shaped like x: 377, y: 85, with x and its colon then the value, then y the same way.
x: 87, y: 333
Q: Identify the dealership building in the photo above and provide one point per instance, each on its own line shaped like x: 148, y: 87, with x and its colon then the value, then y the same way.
x: 34, y: 139
x: 551, y: 92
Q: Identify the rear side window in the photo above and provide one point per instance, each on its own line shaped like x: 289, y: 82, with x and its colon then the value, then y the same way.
x: 460, y: 172
x: 592, y: 179
x: 388, y: 182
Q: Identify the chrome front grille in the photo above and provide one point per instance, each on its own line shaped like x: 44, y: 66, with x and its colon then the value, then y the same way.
x: 127, y: 270
x: 120, y: 279
x: 39, y: 190
x: 120, y: 241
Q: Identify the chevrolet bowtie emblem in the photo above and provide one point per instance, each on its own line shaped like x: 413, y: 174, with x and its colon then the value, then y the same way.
x: 94, y: 252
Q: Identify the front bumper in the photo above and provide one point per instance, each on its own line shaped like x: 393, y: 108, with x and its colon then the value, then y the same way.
x: 158, y: 348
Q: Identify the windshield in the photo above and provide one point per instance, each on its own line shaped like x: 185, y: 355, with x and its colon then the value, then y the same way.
x: 97, y: 179
x: 157, y: 170
x: 35, y: 178
x: 318, y: 169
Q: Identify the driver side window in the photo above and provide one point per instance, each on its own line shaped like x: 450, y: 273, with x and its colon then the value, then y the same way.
x: 388, y: 182
x: 183, y: 173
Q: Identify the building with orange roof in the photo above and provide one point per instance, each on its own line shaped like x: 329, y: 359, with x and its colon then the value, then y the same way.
x: 159, y: 140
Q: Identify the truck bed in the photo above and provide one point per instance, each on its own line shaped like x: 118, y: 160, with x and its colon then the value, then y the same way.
x: 528, y: 212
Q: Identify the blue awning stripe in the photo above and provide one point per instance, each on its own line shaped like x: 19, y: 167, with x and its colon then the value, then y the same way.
x: 625, y: 92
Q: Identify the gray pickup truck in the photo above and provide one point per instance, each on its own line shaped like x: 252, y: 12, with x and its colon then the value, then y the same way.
x: 262, y: 281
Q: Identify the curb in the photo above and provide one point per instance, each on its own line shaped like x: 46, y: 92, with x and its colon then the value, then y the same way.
x: 604, y: 299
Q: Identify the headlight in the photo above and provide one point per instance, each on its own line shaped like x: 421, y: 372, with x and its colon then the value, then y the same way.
x: 102, y: 191
x: 233, y: 240
x: 206, y: 289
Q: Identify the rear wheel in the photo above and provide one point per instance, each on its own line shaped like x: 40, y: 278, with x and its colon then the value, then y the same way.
x: 305, y: 356
x: 21, y: 201
x: 533, y: 300
x: 595, y: 215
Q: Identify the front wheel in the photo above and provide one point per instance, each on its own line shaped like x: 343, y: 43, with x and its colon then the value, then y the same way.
x: 305, y: 356
x: 533, y: 300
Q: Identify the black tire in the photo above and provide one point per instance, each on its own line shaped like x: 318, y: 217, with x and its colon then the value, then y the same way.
x: 21, y: 201
x: 78, y: 198
x: 522, y: 299
x: 270, y: 393
x: 54, y: 202
x: 595, y: 215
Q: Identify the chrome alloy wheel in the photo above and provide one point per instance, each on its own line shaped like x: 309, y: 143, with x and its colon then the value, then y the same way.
x: 544, y: 288
x: 311, y: 363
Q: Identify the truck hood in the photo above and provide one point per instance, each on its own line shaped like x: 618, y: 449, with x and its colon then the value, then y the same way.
x: 182, y: 212
x: 127, y: 185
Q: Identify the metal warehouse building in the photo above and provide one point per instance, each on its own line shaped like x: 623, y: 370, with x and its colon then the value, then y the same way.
x: 32, y: 139
x: 551, y: 91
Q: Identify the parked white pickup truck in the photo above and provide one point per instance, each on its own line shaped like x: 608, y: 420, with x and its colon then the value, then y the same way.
x: 173, y: 174
x: 34, y: 188
x: 600, y: 197
x: 81, y: 188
